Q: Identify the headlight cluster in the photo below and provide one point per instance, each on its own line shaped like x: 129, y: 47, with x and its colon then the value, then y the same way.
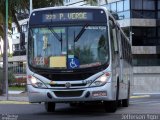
x: 102, y: 80
x: 36, y: 83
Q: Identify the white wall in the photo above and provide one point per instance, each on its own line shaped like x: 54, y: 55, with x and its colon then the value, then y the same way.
x: 16, y: 35
x: 10, y: 44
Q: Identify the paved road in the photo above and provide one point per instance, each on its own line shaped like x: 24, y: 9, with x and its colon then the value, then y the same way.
x: 146, y: 107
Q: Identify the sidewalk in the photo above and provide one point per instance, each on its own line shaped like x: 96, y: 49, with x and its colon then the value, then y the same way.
x: 15, y: 92
x: 15, y: 96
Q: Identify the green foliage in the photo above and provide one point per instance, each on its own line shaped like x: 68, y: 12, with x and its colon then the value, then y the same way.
x: 94, y: 2
x: 17, y: 88
x: 46, y: 3
x: 85, y: 55
x: 102, y: 48
x: 11, y: 77
x: 10, y: 54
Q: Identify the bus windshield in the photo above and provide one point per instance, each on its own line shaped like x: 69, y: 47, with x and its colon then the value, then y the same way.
x: 68, y: 47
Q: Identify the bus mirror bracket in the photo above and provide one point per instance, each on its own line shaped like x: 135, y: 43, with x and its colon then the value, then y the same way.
x: 121, y: 56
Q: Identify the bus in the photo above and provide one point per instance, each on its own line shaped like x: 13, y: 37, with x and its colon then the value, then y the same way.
x: 77, y: 55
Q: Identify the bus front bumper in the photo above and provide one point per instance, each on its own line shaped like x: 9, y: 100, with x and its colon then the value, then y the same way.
x: 102, y: 93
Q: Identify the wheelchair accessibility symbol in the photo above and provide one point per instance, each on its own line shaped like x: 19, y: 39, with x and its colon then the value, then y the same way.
x: 73, y: 63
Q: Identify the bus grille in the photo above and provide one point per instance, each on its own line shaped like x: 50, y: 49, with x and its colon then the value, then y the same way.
x: 72, y: 85
x: 68, y: 93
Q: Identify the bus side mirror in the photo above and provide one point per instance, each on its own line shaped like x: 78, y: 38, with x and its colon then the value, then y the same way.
x: 22, y: 40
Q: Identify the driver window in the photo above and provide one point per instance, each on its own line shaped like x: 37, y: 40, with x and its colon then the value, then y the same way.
x: 113, y: 37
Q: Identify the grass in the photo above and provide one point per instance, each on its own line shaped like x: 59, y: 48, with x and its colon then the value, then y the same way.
x: 17, y: 88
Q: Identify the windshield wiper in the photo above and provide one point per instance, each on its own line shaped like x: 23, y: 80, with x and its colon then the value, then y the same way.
x: 80, y: 33
x: 56, y: 35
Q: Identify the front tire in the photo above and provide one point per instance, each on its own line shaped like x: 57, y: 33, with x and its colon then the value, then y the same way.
x: 110, y: 106
x: 50, y: 106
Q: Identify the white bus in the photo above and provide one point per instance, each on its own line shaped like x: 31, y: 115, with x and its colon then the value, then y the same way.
x: 77, y: 55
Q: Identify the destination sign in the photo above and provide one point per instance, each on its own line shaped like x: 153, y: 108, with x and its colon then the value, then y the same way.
x: 72, y: 16
x: 68, y: 15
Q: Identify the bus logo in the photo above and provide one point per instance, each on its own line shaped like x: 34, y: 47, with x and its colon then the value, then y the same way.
x: 68, y: 85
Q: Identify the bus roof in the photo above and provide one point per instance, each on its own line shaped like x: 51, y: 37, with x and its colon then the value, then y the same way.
x: 70, y: 7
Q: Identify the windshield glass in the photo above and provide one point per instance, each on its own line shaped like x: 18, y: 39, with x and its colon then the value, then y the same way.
x: 70, y: 47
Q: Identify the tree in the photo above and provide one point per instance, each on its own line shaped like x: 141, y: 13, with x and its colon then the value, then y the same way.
x: 11, y: 77
x: 46, y: 3
x: 18, y: 8
x: 94, y: 2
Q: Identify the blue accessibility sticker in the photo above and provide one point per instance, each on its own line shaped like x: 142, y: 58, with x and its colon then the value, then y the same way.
x: 73, y: 63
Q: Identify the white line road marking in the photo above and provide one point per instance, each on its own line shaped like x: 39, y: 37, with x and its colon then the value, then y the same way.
x: 140, y: 96
x: 145, y: 102
x: 155, y: 104
x: 137, y: 101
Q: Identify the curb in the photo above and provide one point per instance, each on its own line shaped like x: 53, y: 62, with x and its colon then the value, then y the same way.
x: 13, y: 102
x: 140, y: 96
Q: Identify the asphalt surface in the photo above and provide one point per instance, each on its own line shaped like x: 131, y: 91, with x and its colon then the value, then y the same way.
x: 145, y: 107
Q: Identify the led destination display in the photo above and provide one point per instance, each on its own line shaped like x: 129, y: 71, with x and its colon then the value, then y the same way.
x: 74, y: 16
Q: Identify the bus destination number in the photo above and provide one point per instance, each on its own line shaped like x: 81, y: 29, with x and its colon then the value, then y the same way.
x: 67, y: 16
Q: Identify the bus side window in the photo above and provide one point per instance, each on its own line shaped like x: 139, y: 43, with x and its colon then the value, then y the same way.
x: 113, y: 36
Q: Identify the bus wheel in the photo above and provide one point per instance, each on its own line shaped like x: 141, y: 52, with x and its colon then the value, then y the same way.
x: 119, y: 103
x: 110, y: 106
x: 50, y: 106
x: 125, y: 102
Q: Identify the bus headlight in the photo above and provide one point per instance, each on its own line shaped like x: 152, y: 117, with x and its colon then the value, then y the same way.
x: 102, y: 80
x: 36, y: 83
